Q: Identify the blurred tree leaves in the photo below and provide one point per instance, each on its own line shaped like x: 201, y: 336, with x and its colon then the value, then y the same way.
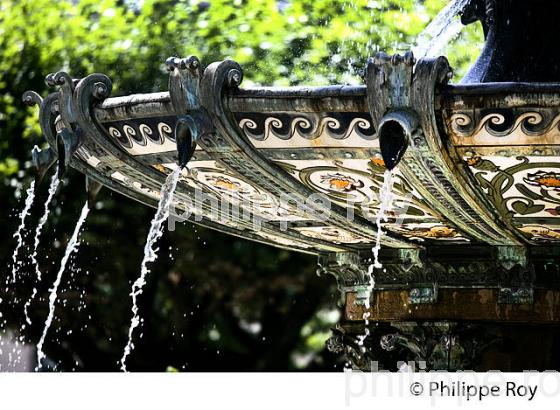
x: 277, y: 43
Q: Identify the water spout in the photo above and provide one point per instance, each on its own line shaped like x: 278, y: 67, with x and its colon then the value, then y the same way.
x: 441, y: 30
x: 184, y: 140
x: 395, y: 134
x: 42, y: 160
x: 385, y: 205
x: 188, y: 130
x: 67, y: 144
x: 92, y: 188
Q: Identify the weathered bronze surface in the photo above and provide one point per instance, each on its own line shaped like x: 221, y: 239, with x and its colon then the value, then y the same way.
x: 456, y: 304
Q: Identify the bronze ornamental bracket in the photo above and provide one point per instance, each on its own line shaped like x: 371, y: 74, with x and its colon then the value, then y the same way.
x: 350, y: 268
x: 192, y: 120
x: 58, y: 125
x: 67, y: 122
x: 43, y: 159
x: 401, y: 100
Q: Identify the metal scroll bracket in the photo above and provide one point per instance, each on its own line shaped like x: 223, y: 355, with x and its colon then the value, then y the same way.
x: 192, y: 120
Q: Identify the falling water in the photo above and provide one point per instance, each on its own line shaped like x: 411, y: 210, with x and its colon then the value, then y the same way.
x: 150, y: 254
x: 441, y: 30
x: 55, y: 181
x: 72, y: 246
x: 385, y: 203
x: 18, y: 234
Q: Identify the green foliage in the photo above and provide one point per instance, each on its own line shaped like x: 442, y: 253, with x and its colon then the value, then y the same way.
x: 308, y: 41
x: 216, y: 285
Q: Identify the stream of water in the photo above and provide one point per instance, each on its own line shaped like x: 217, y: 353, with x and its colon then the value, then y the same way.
x: 385, y: 204
x: 13, y: 356
x: 150, y: 254
x: 55, y: 182
x: 18, y: 235
x: 72, y: 246
x: 441, y: 30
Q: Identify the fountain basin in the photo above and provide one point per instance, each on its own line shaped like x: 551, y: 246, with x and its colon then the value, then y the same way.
x: 322, y: 140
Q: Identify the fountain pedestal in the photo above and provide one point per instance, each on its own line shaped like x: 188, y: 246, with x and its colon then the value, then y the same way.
x: 444, y: 312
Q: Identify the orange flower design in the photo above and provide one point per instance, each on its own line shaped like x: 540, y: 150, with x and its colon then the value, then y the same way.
x: 224, y: 183
x: 473, y: 161
x: 161, y: 168
x: 441, y: 232
x: 546, y: 180
x: 341, y: 183
x: 378, y: 162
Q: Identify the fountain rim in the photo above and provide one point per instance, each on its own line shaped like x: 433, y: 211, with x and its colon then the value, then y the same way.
x: 159, y: 103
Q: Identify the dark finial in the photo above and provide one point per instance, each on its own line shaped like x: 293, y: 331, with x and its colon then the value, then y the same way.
x: 172, y: 63
x: 67, y: 142
x: 31, y: 98
x: 234, y: 78
x: 101, y: 91
x: 191, y: 63
x: 61, y: 169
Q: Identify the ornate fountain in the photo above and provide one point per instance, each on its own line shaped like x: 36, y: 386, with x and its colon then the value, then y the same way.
x: 470, y: 255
